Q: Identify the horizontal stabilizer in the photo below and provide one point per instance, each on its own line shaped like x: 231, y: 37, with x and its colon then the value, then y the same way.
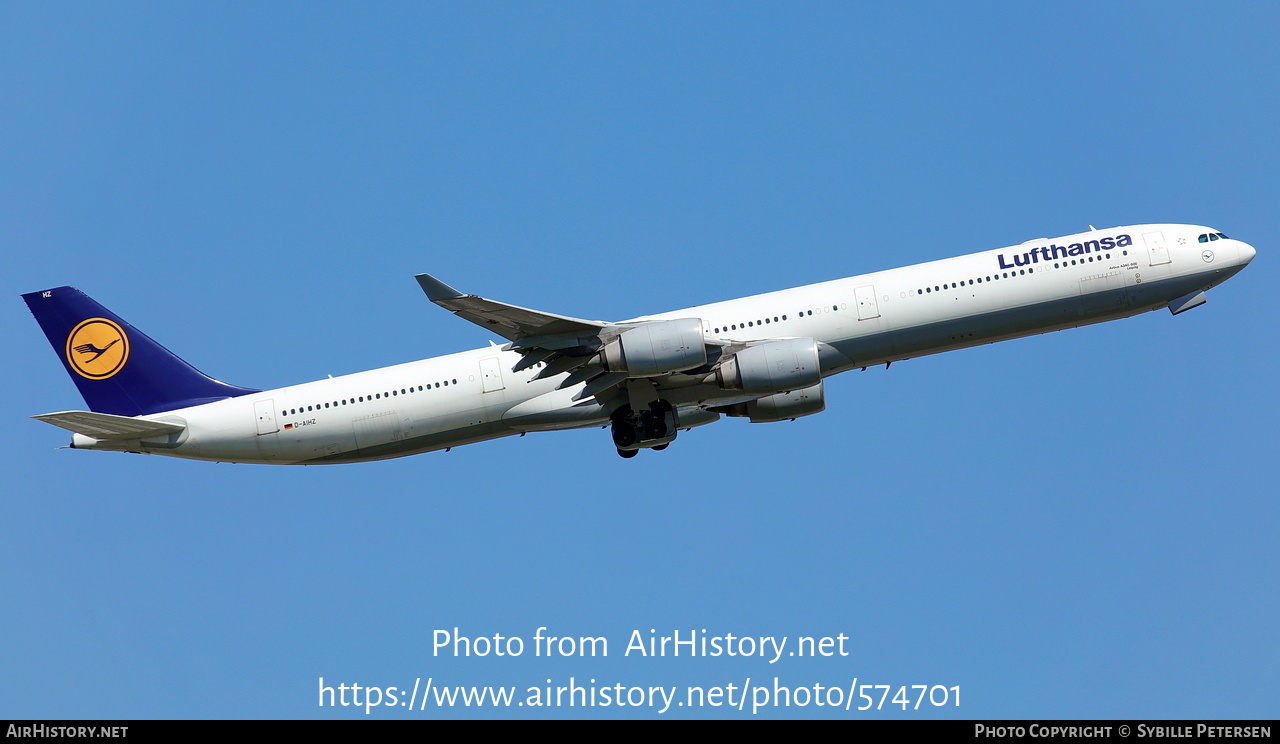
x: 108, y: 426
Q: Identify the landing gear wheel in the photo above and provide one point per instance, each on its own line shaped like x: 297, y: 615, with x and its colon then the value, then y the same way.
x: 660, y: 447
x: 628, y: 454
x: 624, y: 435
x: 651, y: 428
x: 655, y: 427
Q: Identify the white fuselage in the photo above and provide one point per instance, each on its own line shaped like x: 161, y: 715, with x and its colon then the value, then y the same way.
x: 860, y: 321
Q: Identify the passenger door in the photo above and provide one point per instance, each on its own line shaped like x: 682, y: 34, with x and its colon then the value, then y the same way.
x: 866, y: 297
x: 491, y: 374
x: 1157, y: 251
x: 265, y: 412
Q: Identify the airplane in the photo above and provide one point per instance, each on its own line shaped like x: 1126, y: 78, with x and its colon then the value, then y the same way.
x: 762, y: 358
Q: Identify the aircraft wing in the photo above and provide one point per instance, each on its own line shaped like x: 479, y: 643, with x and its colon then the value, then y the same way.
x: 556, y: 343
x: 108, y: 426
x: 509, y: 321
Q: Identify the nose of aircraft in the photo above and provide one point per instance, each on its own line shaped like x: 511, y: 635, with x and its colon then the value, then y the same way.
x: 1246, y: 252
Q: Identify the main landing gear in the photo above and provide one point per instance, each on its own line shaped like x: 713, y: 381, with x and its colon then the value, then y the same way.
x: 654, y: 428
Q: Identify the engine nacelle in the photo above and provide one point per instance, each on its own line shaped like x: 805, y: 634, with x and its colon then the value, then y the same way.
x: 657, y: 348
x: 772, y: 367
x: 780, y: 406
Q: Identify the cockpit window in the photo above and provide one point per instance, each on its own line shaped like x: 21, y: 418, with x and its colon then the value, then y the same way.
x: 1220, y: 235
x: 1213, y: 236
x: 1204, y: 237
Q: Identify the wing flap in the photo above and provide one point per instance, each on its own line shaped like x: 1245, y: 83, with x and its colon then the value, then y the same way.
x: 108, y: 426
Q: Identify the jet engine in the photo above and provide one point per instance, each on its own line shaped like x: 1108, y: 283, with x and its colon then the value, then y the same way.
x: 779, y: 406
x: 656, y: 348
x: 772, y: 367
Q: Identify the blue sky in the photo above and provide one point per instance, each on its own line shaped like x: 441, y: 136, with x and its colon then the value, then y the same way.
x: 1081, y: 524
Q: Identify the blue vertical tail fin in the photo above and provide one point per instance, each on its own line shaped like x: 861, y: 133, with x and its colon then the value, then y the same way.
x: 117, y: 368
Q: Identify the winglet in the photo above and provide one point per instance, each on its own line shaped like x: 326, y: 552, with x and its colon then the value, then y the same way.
x: 437, y: 290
